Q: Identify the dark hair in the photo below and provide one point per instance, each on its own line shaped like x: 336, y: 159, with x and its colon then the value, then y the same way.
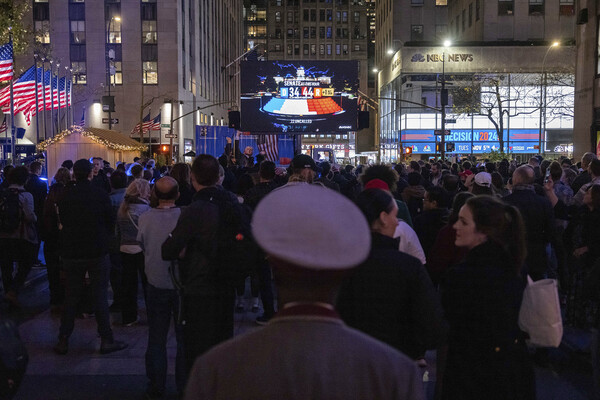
x: 63, y: 175
x: 459, y: 200
x: 259, y: 158
x: 482, y: 190
x: 450, y: 182
x: 439, y: 195
x: 497, y: 180
x: 243, y: 184
x: 266, y: 170
x: 181, y: 173
x: 415, y: 166
x: 380, y: 171
x: 118, y: 179
x: 205, y: 170
x: 68, y: 164
x: 372, y: 202
x: 147, y: 175
x: 18, y: 176
x: 502, y: 224
x: 467, y: 165
x: 325, y: 167
x: 348, y: 168
x: 595, y: 167
x: 490, y: 167
x: 121, y: 167
x: 556, y: 171
x: 82, y: 169
x: 35, y: 167
x: 136, y: 171
x: 413, y: 178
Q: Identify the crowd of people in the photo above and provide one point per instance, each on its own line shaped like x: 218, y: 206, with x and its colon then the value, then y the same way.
x: 427, y: 255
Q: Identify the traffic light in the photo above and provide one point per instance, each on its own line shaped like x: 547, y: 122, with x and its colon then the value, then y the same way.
x: 408, y: 150
x: 437, y: 147
x: 450, y: 147
x: 164, y: 148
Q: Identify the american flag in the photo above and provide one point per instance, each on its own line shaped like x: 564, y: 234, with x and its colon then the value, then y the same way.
x: 6, y: 62
x: 155, y: 123
x: 146, y: 124
x: 270, y: 147
x: 3, y: 127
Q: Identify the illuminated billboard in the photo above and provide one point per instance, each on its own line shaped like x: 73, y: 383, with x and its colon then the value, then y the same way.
x: 299, y: 96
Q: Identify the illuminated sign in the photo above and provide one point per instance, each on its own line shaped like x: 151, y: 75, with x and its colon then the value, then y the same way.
x: 435, y: 57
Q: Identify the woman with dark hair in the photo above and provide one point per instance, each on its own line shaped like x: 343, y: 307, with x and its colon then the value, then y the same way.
x: 181, y: 173
x: 486, y: 356
x: 390, y: 296
x: 498, y: 185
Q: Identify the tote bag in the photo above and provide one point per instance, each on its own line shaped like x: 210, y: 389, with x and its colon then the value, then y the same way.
x: 539, y: 315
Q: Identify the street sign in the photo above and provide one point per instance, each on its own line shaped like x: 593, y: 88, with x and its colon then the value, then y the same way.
x: 450, y: 121
x: 114, y: 120
x: 165, y: 125
x: 171, y: 136
x: 439, y: 132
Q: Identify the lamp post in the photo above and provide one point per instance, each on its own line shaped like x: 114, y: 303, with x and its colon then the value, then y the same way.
x: 543, y: 87
x: 444, y: 101
x: 108, y: 71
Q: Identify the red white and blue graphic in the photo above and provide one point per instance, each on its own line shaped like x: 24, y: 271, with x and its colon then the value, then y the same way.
x: 307, y: 96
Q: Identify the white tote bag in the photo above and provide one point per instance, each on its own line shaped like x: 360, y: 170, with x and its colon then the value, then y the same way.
x: 539, y: 315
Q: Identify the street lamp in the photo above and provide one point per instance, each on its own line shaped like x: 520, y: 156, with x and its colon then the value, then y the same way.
x: 110, y: 55
x: 444, y: 101
x: 543, y: 89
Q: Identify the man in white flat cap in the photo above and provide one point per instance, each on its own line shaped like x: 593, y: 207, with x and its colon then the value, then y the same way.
x: 306, y: 351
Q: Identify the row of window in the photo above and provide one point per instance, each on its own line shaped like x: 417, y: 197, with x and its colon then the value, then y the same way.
x: 324, y: 15
x: 296, y: 3
x: 536, y: 7
x: 311, y: 49
x: 311, y: 33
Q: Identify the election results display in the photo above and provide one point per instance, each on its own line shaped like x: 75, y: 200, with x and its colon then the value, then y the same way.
x: 472, y: 141
x: 299, y: 96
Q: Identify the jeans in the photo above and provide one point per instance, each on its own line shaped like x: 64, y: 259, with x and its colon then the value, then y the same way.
x: 20, y: 251
x: 162, y: 307
x: 132, y: 264
x: 98, y: 270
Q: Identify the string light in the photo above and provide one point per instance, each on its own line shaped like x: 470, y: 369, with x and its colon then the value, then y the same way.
x: 90, y: 135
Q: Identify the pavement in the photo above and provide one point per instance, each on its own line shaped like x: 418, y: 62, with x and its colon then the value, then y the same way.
x: 86, y: 374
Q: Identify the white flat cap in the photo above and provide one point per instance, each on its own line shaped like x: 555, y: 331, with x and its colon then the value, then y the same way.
x: 312, y: 227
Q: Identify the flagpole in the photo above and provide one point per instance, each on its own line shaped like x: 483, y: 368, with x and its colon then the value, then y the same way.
x: 12, y: 108
x: 44, y: 95
x: 52, y: 98
x: 67, y: 97
x: 70, y: 96
x: 58, y: 121
x: 37, y: 119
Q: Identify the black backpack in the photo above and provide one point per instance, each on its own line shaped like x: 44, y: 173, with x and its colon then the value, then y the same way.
x: 236, y: 253
x: 13, y: 359
x: 11, y: 210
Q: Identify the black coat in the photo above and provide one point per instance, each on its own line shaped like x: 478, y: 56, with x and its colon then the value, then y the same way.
x: 85, y: 213
x: 39, y: 190
x: 481, y: 299
x: 538, y: 215
x: 428, y: 224
x: 196, y: 232
x: 391, y: 298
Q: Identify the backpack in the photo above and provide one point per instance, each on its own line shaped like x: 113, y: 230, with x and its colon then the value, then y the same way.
x: 13, y: 359
x: 236, y: 253
x: 11, y: 211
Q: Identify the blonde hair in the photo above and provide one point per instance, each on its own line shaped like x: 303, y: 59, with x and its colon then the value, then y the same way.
x: 137, y: 191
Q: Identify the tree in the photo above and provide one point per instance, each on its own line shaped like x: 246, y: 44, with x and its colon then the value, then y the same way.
x: 497, y: 97
x: 12, y: 19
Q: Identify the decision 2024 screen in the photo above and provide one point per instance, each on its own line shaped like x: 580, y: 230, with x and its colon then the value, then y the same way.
x: 299, y: 96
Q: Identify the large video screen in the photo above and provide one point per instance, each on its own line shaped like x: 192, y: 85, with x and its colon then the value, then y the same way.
x: 299, y: 96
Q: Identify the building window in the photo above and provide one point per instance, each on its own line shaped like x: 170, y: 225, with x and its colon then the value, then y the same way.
x: 278, y: 16
x: 322, y: 49
x: 321, y: 32
x: 79, y: 72
x: 344, y: 16
x: 305, y: 33
x: 567, y: 7
x: 290, y: 17
x: 441, y: 3
x: 345, y: 49
x: 150, y: 73
x: 338, y: 49
x: 77, y: 12
x: 416, y: 2
x: 117, y: 77
x: 148, y: 11
x: 338, y: 16
x: 440, y: 31
x: 357, y: 47
x: 322, y: 15
x: 313, y: 49
x: 313, y: 15
x: 41, y: 11
x: 305, y: 15
x: 278, y: 33
x: 114, y: 31
x: 329, y: 15
x: 277, y: 47
x: 329, y: 49
x: 416, y: 32
x: 289, y: 50
x: 506, y: 7
x: 477, y: 9
x: 290, y: 33
x: 77, y: 32
x: 305, y: 49
x: 536, y: 7
x: 313, y: 32
x: 356, y: 17
x: 329, y: 32
x: 296, y: 49
x: 42, y: 31
x: 77, y: 52
x: 149, y: 52
x: 149, y: 34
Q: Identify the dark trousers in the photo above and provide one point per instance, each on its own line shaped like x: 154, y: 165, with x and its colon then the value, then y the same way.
x: 266, y: 289
x: 21, y: 252
x: 208, y: 322
x: 133, y: 264
x: 115, y: 277
x: 163, y: 306
x: 75, y: 270
x: 53, y: 266
x: 240, y: 288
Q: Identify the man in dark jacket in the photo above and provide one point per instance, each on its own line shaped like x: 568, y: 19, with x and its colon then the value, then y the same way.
x: 207, y: 302
x: 538, y: 216
x: 327, y: 177
x: 85, y: 216
x: 584, y: 177
x: 99, y: 178
x: 433, y: 218
x: 39, y: 190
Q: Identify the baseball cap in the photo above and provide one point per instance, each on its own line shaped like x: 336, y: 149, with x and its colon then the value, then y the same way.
x: 483, y: 179
x: 303, y: 161
x: 466, y: 173
x: 296, y: 224
x: 377, y: 184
